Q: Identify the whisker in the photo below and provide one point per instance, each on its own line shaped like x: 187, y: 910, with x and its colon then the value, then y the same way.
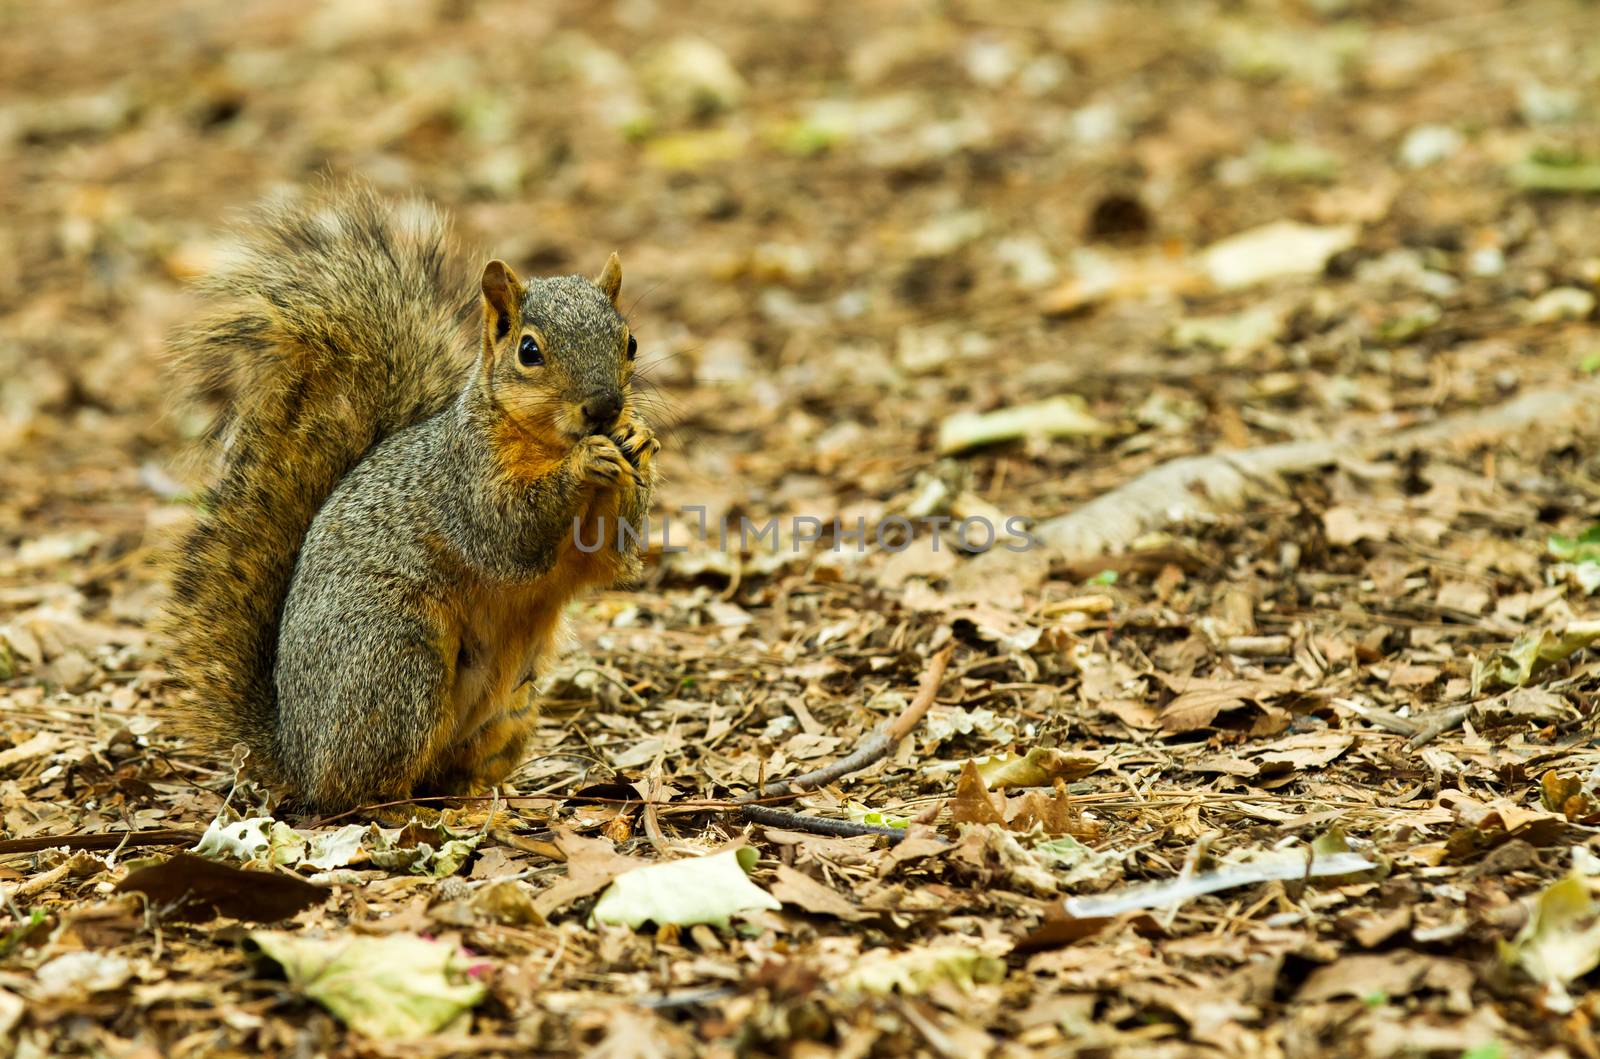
x: 634, y: 305
x: 655, y: 360
x: 662, y: 415
x: 659, y: 410
x: 645, y: 369
x: 653, y: 399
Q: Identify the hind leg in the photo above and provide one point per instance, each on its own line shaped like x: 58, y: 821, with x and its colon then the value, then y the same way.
x: 491, y: 753
x: 361, y: 714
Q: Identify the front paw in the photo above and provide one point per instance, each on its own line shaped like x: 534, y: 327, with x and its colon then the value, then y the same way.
x: 602, y: 464
x: 638, y: 443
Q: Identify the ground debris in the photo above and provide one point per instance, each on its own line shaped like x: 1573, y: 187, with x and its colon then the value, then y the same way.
x: 1181, y: 420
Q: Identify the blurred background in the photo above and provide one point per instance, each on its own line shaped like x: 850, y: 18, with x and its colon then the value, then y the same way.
x: 839, y: 221
x: 1143, y: 230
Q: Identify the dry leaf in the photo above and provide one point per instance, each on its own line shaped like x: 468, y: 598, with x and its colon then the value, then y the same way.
x: 972, y: 803
x: 801, y: 890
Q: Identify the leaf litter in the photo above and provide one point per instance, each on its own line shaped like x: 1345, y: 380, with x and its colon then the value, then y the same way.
x: 1274, y: 326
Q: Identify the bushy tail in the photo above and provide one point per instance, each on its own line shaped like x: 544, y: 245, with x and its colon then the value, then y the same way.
x: 334, y: 322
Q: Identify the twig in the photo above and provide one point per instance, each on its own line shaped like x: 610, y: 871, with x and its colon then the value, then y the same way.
x: 1220, y: 482
x: 685, y: 997
x: 1438, y: 723
x: 523, y: 844
x: 39, y: 883
x: 555, y: 957
x: 1380, y: 717
x: 876, y: 746
x: 926, y: 1022
x: 617, y: 681
x: 872, y: 750
x: 165, y: 836
x: 1258, y: 646
x: 818, y: 825
x: 513, y: 801
x: 652, y: 821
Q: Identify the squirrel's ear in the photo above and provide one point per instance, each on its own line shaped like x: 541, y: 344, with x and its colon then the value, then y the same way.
x: 610, y: 279
x: 502, y: 297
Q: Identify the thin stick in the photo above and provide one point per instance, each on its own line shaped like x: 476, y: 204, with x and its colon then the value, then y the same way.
x: 518, y: 800
x: 876, y: 746
x: 1380, y: 717
x: 39, y: 883
x: 165, y: 836
x: 818, y: 825
x: 1222, y: 481
x: 1438, y: 723
x: 872, y: 750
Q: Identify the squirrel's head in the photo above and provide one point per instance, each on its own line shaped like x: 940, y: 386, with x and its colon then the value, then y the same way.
x: 557, y: 355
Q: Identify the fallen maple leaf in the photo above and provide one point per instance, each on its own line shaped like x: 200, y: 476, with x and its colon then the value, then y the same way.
x: 397, y: 986
x: 684, y: 892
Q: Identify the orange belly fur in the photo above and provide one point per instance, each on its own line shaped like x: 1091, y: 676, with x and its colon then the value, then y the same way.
x: 499, y: 635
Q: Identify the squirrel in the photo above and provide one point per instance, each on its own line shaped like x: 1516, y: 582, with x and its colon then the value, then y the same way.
x: 382, y: 566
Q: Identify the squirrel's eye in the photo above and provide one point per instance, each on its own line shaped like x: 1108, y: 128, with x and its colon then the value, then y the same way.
x: 633, y: 347
x: 529, y: 353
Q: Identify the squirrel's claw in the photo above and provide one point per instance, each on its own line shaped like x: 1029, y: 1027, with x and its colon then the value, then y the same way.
x: 603, y: 462
x: 637, y: 442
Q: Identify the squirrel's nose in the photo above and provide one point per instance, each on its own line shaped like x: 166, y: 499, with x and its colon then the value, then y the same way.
x: 600, y: 410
